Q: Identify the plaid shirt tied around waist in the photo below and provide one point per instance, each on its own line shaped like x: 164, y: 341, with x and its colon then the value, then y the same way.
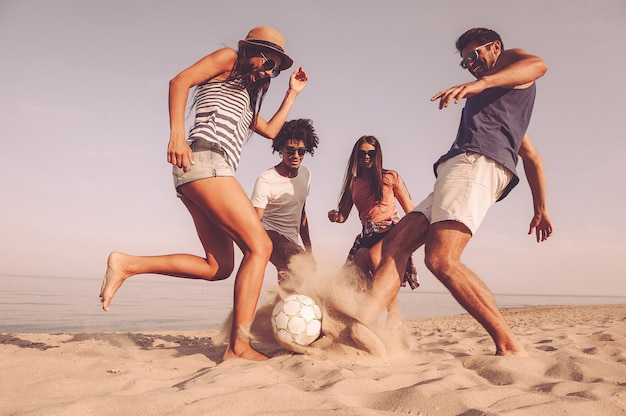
x: 372, y: 233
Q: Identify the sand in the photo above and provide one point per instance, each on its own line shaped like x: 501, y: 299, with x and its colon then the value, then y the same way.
x: 443, y: 366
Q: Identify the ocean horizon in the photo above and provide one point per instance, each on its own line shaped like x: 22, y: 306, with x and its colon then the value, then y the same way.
x: 43, y: 304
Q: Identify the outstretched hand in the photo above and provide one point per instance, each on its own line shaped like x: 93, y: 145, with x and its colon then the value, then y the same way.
x: 298, y: 80
x: 542, y: 225
x: 458, y: 92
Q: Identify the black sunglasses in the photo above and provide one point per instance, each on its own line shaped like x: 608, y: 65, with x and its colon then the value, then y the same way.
x: 370, y: 153
x: 292, y: 150
x: 473, y: 56
x: 269, y: 64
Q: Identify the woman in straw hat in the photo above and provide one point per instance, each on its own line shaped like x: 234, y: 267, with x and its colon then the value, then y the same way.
x: 230, y: 86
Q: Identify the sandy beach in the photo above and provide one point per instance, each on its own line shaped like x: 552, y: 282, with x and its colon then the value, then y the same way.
x: 446, y: 367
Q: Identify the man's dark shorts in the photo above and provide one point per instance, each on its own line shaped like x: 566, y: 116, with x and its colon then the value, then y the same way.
x: 284, y: 249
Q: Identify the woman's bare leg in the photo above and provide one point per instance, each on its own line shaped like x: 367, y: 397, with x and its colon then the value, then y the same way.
x: 393, y: 319
x: 219, y: 222
x: 217, y: 265
x: 236, y: 216
x: 121, y: 266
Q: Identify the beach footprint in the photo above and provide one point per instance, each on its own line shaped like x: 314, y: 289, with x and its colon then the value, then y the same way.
x: 501, y: 371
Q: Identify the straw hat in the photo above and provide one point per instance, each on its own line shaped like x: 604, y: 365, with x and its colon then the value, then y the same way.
x: 268, y: 38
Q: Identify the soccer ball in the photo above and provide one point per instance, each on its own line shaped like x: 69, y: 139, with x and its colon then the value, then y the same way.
x: 297, y: 319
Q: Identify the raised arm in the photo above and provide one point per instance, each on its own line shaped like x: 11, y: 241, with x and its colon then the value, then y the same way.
x: 514, y: 69
x: 535, y: 174
x: 215, y: 65
x: 270, y: 129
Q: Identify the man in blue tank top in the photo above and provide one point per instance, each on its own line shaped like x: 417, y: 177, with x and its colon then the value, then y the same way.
x: 477, y: 171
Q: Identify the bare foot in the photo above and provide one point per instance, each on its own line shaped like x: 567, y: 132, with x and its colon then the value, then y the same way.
x: 113, y: 278
x: 516, y: 353
x: 243, y: 350
x: 511, y: 349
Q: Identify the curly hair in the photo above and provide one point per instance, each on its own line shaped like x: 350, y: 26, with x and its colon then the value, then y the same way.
x: 300, y: 129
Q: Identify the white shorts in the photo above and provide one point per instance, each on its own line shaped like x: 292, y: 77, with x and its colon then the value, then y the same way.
x: 467, y: 186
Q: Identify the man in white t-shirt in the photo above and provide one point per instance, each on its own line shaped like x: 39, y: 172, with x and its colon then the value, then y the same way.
x: 279, y: 198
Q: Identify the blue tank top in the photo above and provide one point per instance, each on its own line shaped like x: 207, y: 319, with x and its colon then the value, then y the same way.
x: 493, y: 123
x: 223, y: 116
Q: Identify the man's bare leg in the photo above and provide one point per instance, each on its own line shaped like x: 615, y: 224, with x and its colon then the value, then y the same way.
x: 406, y: 237
x: 445, y: 244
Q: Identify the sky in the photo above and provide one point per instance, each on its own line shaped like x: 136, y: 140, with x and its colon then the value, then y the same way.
x: 84, y: 119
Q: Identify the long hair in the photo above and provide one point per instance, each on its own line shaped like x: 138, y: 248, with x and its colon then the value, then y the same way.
x: 354, y: 170
x: 240, y: 73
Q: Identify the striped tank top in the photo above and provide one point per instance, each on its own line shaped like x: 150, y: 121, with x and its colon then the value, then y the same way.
x: 223, y: 116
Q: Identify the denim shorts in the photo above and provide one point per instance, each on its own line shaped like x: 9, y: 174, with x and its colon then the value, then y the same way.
x: 209, y: 162
x: 467, y: 186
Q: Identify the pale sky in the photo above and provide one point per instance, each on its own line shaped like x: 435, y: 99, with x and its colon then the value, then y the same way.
x: 85, y: 126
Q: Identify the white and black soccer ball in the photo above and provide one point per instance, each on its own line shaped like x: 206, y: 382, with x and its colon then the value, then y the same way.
x: 297, y: 319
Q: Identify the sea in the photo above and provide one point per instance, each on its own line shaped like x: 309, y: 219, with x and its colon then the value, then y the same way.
x: 40, y: 304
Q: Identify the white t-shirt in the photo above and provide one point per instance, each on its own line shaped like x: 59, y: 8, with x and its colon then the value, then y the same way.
x: 283, y: 200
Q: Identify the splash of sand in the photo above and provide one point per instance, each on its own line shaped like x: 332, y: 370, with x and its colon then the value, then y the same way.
x: 340, y: 293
